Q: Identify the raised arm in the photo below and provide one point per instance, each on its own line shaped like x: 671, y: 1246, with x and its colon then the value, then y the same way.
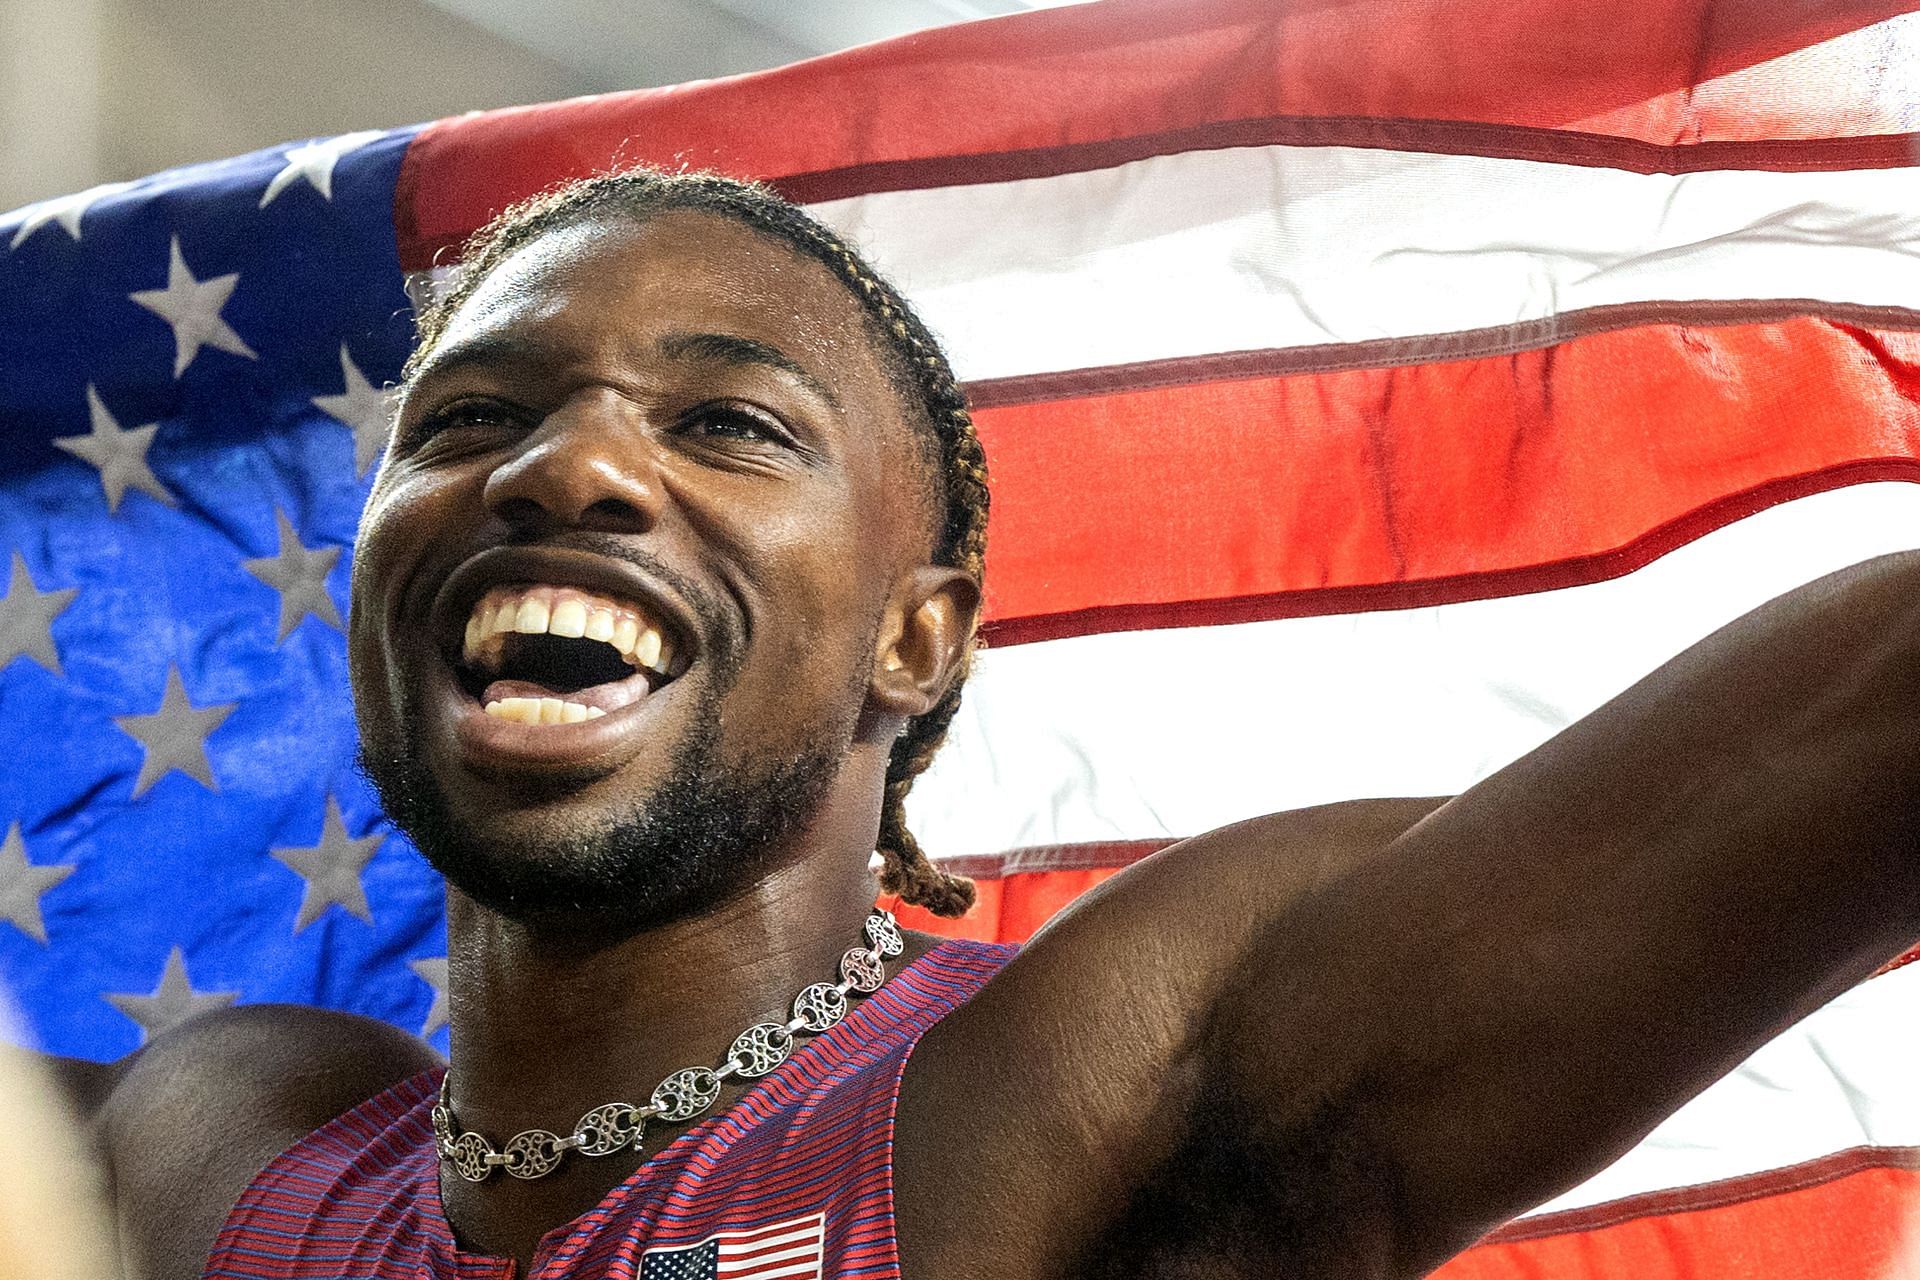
x: 1528, y: 980
x: 1348, y: 1041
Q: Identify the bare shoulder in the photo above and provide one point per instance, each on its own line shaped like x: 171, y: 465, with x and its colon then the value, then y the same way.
x: 197, y: 1113
x: 1084, y: 1053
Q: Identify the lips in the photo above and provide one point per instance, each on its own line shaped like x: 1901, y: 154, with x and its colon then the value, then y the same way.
x: 544, y: 654
x: 552, y: 724
x: 593, y: 575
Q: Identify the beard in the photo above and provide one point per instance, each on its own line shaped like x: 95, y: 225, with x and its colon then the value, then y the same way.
x: 706, y: 833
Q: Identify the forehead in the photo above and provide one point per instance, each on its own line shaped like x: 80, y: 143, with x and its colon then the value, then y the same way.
x: 616, y: 284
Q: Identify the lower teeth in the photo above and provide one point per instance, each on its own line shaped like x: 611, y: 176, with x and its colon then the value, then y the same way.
x: 542, y: 711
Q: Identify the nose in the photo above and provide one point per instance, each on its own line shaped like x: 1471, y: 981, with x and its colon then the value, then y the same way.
x: 590, y: 464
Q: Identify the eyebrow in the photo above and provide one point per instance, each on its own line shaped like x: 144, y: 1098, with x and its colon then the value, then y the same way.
x: 497, y: 349
x: 483, y: 350
x: 730, y: 348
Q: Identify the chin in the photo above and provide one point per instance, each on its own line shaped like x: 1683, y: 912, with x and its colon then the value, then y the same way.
x: 703, y: 834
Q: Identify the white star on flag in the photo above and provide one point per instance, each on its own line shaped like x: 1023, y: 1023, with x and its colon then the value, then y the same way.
x: 175, y: 736
x: 362, y: 406
x: 22, y: 883
x: 332, y: 869
x: 119, y: 453
x: 299, y: 574
x: 433, y: 972
x: 314, y: 161
x: 26, y: 618
x: 192, y: 307
x: 65, y: 210
x: 172, y: 1002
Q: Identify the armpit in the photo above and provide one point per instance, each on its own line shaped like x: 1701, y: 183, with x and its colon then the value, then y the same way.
x: 1234, y: 1201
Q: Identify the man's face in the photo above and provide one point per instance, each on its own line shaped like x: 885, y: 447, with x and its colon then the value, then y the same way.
x: 679, y: 428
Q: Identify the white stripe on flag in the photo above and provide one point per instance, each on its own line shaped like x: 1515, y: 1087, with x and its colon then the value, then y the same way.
x: 1263, y: 247
x: 754, y: 1269
x: 744, y: 1255
x: 1122, y: 737
x: 768, y: 1238
x: 760, y: 1257
x: 1842, y: 1077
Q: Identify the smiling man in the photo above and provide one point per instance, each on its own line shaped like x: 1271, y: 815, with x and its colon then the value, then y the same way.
x: 664, y: 595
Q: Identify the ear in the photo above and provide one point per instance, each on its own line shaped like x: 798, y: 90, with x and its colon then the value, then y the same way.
x: 924, y: 634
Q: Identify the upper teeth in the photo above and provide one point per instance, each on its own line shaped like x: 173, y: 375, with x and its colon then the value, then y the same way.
x: 563, y: 611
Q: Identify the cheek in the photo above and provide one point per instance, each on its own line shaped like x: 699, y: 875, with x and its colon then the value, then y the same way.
x: 407, y: 513
x: 838, y: 562
x: 820, y: 576
x: 388, y: 555
x: 367, y: 668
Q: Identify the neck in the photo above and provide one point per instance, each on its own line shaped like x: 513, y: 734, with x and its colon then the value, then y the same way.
x: 544, y: 1029
x: 547, y: 1027
x: 541, y: 1034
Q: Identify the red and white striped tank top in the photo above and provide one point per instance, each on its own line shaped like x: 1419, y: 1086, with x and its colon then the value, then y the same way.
x: 795, y: 1180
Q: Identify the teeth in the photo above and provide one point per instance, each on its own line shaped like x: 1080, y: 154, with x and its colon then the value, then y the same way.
x: 625, y: 632
x: 533, y: 617
x: 647, y: 651
x: 569, y: 619
x: 562, y: 611
x: 542, y: 711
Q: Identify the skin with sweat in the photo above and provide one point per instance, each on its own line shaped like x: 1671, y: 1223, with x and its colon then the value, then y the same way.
x: 1342, y: 1041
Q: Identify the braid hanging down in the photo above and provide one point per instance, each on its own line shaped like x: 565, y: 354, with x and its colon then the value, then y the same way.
x: 922, y: 374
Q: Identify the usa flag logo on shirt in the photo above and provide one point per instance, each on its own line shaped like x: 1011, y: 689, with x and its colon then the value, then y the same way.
x: 790, y: 1250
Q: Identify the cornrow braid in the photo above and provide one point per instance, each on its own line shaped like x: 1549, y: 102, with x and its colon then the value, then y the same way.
x: 920, y: 372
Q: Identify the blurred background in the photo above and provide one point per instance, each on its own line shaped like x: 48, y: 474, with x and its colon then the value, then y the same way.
x: 98, y: 91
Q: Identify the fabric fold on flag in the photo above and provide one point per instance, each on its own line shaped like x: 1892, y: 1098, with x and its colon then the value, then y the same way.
x: 1370, y: 390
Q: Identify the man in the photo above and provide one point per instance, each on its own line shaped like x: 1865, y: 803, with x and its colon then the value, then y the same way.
x: 663, y: 596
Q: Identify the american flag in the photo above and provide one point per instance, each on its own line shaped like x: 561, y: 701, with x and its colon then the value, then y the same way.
x: 1371, y: 389
x: 788, y: 1250
x: 190, y: 385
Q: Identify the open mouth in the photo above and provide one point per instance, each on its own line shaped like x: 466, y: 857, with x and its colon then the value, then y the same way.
x: 547, y: 655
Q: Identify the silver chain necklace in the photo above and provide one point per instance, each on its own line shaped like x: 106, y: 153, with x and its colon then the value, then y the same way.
x: 688, y: 1092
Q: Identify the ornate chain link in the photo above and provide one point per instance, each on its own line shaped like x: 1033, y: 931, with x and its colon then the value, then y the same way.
x: 688, y: 1092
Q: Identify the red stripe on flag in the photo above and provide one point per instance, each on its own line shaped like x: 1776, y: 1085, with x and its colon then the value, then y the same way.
x: 1432, y: 137
x: 1396, y: 487
x: 1709, y: 1195
x: 1019, y: 892
x: 1009, y: 910
x: 1903, y: 960
x: 1096, y: 855
x: 1022, y: 889
x: 1850, y: 1214
x: 773, y: 1251
x: 1140, y: 69
x: 1423, y: 348
x: 790, y: 1250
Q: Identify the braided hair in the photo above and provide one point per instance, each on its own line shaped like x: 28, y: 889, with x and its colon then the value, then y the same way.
x: 921, y: 375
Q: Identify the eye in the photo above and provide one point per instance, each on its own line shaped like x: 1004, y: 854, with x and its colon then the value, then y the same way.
x: 734, y: 422
x: 468, y: 413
